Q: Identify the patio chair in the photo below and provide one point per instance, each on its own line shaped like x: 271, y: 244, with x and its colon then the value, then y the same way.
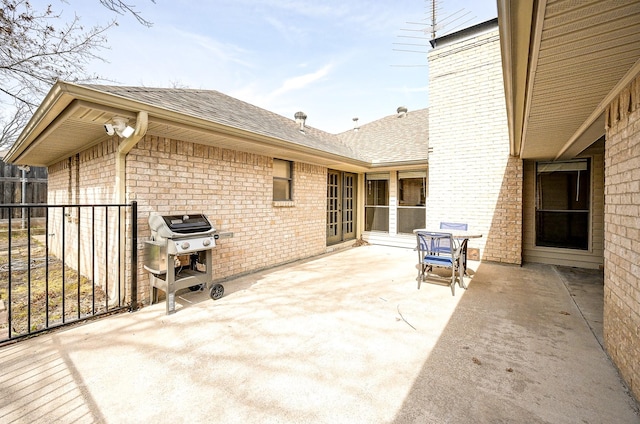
x: 459, y: 226
x: 431, y: 255
x: 451, y: 226
x: 454, y: 226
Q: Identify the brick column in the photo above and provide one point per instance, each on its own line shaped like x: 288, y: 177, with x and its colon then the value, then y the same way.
x: 472, y: 177
x: 622, y: 235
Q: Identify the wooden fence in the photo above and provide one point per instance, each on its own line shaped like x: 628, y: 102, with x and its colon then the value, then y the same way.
x: 15, y: 180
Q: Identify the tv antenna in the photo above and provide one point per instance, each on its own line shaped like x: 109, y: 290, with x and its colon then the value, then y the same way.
x: 431, y: 28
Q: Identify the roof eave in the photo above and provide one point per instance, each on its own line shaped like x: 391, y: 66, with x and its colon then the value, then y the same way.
x: 400, y: 164
x: 515, y: 23
x: 54, y: 103
x: 594, y: 125
x: 63, y: 95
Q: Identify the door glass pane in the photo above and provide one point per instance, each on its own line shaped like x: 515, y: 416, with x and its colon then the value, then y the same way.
x: 332, y: 205
x: 410, y: 219
x: 568, y: 230
x: 348, y: 205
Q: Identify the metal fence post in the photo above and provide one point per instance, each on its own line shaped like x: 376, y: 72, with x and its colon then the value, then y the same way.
x: 134, y: 256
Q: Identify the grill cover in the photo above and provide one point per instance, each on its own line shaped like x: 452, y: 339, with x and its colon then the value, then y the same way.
x: 175, y: 226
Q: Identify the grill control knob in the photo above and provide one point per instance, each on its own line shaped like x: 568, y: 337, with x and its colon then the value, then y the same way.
x: 185, y: 245
x: 206, y: 242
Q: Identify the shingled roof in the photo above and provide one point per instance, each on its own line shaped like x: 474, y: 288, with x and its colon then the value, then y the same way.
x: 394, y: 138
x: 217, y: 107
x: 71, y: 117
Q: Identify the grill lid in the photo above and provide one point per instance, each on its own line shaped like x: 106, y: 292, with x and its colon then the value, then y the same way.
x: 169, y: 226
x: 187, y: 223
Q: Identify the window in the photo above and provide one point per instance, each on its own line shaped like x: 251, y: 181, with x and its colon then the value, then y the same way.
x: 563, y: 203
x: 411, y: 200
x: 282, y: 180
x: 376, y: 210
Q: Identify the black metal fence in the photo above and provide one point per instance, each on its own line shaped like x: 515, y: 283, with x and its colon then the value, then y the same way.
x: 75, y: 263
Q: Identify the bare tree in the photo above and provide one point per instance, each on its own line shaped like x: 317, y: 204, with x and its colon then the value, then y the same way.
x: 121, y: 8
x: 11, y: 122
x: 37, y: 48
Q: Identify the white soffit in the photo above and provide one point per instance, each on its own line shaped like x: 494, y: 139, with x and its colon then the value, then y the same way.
x: 582, y: 50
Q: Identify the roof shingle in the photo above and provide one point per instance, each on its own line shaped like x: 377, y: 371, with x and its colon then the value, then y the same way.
x: 386, y: 140
x: 393, y: 138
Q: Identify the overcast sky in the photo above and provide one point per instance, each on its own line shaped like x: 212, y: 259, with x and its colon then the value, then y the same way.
x: 332, y: 59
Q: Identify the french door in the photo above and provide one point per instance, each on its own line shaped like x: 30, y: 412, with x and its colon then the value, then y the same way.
x: 341, y: 206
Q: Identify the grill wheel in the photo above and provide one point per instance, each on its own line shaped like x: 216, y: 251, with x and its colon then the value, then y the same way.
x: 216, y: 291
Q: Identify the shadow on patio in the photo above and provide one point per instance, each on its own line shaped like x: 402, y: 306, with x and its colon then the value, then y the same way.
x: 522, y: 346
x: 345, y: 337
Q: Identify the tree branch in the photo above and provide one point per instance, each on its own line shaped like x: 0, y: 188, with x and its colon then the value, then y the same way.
x: 121, y: 8
x: 37, y: 48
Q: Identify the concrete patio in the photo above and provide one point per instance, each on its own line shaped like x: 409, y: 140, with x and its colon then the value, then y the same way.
x: 343, y: 338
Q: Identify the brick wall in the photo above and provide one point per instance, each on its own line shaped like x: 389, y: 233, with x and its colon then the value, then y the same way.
x: 235, y: 191
x: 232, y: 188
x: 622, y: 235
x: 88, y: 179
x: 58, y: 183
x: 472, y: 177
x: 97, y: 173
x: 85, y: 178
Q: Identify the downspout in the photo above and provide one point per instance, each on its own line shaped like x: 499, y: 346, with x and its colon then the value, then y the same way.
x: 142, y: 123
x: 120, y: 195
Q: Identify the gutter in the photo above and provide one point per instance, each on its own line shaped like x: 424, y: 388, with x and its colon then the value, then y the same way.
x: 101, y: 99
x: 518, y: 44
x: 376, y: 165
x: 64, y: 94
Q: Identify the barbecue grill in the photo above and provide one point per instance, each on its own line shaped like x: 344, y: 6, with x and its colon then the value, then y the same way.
x: 179, y: 255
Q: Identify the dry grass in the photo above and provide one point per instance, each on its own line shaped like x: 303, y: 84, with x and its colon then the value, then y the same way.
x: 57, y: 293
x: 18, y: 235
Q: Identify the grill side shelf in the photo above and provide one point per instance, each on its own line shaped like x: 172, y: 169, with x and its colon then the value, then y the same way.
x: 155, y: 257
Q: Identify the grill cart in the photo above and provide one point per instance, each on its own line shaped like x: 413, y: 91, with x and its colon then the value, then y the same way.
x: 179, y: 255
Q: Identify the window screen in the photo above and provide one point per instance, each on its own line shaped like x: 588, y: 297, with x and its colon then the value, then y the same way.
x: 411, y: 201
x: 563, y: 203
x: 376, y: 210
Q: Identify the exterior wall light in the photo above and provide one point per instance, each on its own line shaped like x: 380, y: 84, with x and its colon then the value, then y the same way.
x: 120, y: 127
